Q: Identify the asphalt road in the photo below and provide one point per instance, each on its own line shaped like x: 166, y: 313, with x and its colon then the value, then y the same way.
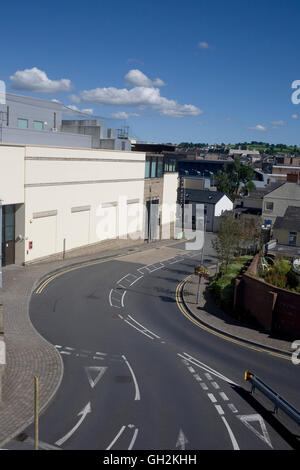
x: 139, y: 375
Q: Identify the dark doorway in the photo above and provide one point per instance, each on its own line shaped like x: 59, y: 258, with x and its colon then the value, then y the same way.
x: 8, y: 235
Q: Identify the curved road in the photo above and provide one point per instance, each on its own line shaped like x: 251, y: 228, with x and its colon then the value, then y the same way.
x: 139, y: 375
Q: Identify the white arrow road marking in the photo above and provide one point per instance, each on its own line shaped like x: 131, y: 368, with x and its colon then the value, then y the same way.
x: 231, y: 435
x: 84, y: 413
x: 246, y: 419
x: 99, y: 371
x: 137, y: 391
x: 181, y: 441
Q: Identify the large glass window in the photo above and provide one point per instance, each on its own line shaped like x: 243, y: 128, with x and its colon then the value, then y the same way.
x: 22, y: 123
x: 153, y: 168
x: 147, y: 168
x: 38, y: 125
x: 160, y: 167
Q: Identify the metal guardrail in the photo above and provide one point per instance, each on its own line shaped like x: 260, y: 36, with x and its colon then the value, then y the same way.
x: 277, y: 400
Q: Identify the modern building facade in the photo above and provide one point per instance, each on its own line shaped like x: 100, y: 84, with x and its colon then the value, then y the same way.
x: 27, y: 120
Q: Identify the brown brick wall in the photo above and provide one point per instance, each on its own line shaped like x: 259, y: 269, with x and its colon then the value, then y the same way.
x: 275, y: 309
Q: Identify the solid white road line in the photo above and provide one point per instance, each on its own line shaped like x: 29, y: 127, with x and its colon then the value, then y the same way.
x: 209, y: 369
x: 143, y: 332
x: 137, y: 390
x: 146, y: 329
x: 133, y: 439
x: 116, y: 438
x: 231, y: 435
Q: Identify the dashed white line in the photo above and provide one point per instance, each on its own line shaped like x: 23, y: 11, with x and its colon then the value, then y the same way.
x: 215, y: 385
x: 204, y: 386
x: 198, y: 378
x: 219, y: 409
x: 208, y: 376
x: 212, y: 397
x: 224, y: 396
x: 232, y: 408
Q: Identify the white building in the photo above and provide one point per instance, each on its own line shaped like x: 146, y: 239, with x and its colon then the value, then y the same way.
x: 60, y: 198
x: 53, y: 196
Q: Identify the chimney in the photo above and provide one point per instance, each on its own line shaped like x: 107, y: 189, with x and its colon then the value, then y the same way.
x: 292, y: 178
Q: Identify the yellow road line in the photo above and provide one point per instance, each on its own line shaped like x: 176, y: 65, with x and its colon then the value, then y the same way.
x: 209, y: 330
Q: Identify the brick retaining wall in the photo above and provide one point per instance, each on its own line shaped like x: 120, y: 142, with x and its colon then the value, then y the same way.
x: 275, y: 309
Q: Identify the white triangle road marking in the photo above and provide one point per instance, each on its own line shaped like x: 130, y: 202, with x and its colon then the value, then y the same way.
x: 98, y: 372
x: 247, y: 419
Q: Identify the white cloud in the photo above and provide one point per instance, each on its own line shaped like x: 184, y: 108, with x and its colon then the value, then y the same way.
x: 123, y: 115
x: 278, y: 123
x: 137, y: 78
x: 259, y: 127
x: 36, y: 80
x: 140, y: 96
x: 294, y: 116
x: 203, y: 45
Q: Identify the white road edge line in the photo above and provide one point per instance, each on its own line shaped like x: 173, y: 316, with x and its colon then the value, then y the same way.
x: 137, y: 391
x: 116, y: 438
x: 233, y: 439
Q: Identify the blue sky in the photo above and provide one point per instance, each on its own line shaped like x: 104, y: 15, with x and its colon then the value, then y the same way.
x: 202, y: 71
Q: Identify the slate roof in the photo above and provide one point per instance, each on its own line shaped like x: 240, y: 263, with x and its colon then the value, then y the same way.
x: 290, y: 221
x: 203, y: 196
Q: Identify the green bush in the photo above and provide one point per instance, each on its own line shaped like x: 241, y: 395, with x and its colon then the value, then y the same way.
x: 222, y: 285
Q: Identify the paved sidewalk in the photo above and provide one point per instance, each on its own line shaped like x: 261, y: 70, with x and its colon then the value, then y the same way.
x: 212, y: 316
x: 27, y: 353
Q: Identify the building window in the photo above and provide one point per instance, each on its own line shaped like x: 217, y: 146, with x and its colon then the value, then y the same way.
x: 38, y: 125
x: 108, y: 133
x: 269, y: 206
x: 160, y: 165
x: 23, y: 123
x: 292, y: 240
x: 147, y: 168
x: 153, y: 168
x: 123, y: 145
